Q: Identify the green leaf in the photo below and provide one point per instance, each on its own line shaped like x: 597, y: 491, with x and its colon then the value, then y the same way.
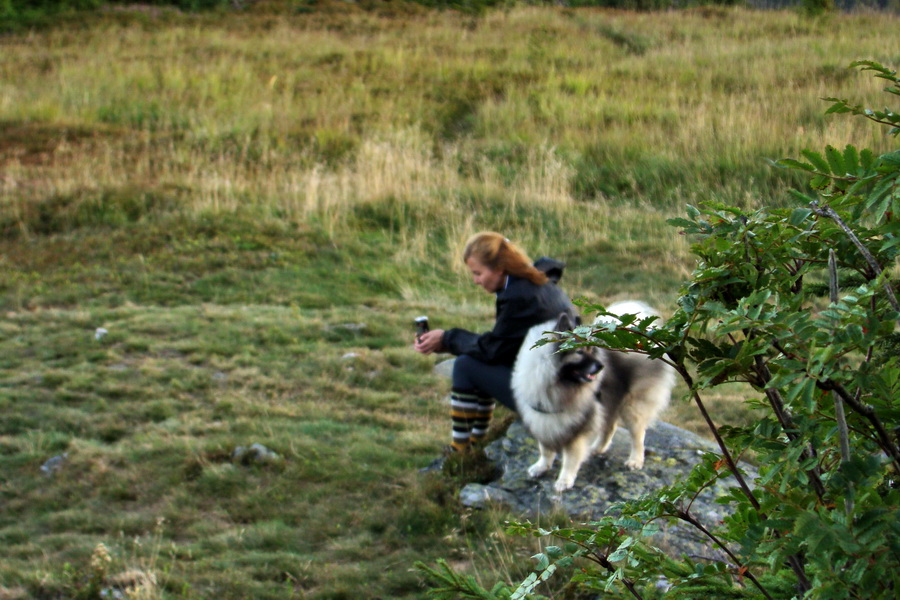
x: 800, y: 196
x: 683, y: 223
x: 525, y: 587
x: 798, y: 215
x: 817, y: 160
x: 867, y: 159
x: 790, y: 163
x: 839, y: 106
x: 835, y: 161
x: 820, y: 182
x: 891, y: 160
x: 879, y: 201
x: 801, y: 389
x: 851, y: 160
x: 619, y: 554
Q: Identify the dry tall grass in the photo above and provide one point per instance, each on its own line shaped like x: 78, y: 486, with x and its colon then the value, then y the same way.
x: 308, y: 118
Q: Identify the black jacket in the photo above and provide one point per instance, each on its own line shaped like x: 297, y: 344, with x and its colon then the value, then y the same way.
x: 520, y: 306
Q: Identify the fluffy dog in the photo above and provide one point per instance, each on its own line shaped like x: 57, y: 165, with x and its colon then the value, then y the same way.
x: 571, y: 401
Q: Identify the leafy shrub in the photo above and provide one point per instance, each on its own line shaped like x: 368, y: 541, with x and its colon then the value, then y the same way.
x: 17, y: 6
x: 799, y: 304
x: 816, y: 8
x: 31, y: 9
x: 467, y: 6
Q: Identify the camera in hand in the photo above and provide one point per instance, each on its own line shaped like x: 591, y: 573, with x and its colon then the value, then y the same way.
x: 421, y: 326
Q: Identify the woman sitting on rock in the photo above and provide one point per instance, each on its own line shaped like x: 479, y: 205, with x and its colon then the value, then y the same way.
x: 527, y: 294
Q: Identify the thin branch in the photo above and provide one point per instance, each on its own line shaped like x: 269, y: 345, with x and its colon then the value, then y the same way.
x: 795, y: 561
x: 696, y: 495
x: 592, y: 337
x: 829, y: 213
x: 884, y: 438
x: 880, y: 121
x: 843, y: 432
x: 787, y: 424
x: 603, y: 560
x: 732, y: 465
x: 689, y: 518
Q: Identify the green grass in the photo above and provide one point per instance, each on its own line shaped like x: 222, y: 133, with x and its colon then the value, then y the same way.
x: 150, y: 415
x: 305, y: 355
x: 255, y: 207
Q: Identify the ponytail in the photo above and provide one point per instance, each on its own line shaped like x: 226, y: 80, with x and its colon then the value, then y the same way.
x: 498, y: 253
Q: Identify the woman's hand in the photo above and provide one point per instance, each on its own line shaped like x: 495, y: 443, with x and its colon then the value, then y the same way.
x: 430, y: 341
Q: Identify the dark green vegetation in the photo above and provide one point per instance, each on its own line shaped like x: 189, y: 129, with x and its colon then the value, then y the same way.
x: 16, y: 14
x: 801, y: 304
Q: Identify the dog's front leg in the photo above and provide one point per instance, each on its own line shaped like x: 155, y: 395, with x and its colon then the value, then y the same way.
x: 636, y: 458
x: 543, y: 463
x: 573, y: 455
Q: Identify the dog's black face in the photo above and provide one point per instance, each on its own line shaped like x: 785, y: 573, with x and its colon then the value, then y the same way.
x: 579, y: 366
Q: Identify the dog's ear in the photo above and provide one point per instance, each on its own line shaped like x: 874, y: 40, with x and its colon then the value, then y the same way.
x: 565, y: 322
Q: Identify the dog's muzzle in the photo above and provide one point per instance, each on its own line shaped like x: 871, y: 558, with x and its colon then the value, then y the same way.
x: 590, y: 373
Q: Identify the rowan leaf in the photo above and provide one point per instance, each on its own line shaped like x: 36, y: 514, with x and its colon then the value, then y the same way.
x: 817, y: 160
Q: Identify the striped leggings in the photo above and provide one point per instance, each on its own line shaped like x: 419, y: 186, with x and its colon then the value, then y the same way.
x: 475, y: 386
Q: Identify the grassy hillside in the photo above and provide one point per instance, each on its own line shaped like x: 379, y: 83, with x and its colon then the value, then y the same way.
x: 255, y: 206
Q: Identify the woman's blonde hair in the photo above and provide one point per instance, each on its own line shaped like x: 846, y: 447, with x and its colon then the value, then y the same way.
x: 496, y: 252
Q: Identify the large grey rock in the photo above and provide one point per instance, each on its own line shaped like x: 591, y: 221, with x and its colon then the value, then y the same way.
x: 603, y: 481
